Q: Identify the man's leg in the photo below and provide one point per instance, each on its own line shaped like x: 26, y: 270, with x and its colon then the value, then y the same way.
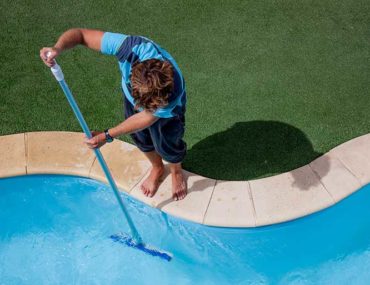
x: 167, y: 136
x: 179, y: 187
x: 144, y: 142
x: 151, y: 183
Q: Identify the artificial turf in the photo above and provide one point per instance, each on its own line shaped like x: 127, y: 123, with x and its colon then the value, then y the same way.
x: 271, y: 84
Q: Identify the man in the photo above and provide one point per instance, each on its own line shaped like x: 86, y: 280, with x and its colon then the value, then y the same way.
x: 154, y: 100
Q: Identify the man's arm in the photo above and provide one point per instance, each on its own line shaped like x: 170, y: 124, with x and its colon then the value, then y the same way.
x: 69, y: 39
x: 133, y: 124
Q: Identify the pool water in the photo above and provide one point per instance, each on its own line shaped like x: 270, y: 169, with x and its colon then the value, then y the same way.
x: 55, y: 229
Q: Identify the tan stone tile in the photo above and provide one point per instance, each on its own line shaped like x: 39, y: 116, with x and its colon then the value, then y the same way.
x: 58, y: 152
x: 231, y: 205
x: 355, y: 155
x: 126, y: 163
x: 288, y: 196
x: 336, y: 178
x: 195, y: 204
x: 12, y: 155
x: 192, y: 208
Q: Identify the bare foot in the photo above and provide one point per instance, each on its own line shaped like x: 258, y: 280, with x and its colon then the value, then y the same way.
x: 151, y: 184
x: 179, y: 187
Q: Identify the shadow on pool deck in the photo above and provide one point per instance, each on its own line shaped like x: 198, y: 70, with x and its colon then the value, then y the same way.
x: 250, y: 150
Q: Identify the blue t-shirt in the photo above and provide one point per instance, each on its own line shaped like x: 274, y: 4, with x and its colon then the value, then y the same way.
x: 131, y: 49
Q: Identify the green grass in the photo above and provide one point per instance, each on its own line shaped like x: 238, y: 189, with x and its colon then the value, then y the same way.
x: 271, y: 84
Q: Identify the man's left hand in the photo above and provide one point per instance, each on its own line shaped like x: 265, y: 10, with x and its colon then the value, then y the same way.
x: 97, y: 140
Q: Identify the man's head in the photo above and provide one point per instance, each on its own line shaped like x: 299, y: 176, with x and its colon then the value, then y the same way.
x: 152, y: 82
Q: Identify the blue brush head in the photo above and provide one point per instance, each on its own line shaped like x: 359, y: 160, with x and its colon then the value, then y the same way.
x: 129, y: 241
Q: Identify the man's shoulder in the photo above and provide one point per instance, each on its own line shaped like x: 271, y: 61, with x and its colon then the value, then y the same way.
x: 135, y: 44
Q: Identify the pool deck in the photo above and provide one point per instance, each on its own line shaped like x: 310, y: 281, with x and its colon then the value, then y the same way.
x: 280, y: 198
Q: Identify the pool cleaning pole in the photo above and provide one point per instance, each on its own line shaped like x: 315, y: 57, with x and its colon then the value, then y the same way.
x: 58, y: 74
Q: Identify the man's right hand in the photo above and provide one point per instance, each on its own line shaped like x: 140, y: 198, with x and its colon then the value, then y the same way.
x: 49, y: 60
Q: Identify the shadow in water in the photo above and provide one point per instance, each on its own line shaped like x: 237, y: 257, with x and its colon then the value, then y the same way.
x: 250, y: 150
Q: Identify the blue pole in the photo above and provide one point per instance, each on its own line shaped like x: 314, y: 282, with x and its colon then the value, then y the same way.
x: 57, y: 71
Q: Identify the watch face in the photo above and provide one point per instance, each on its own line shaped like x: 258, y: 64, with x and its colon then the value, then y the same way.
x: 108, y: 138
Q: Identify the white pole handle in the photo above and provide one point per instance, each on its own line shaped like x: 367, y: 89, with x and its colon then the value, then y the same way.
x: 56, y: 70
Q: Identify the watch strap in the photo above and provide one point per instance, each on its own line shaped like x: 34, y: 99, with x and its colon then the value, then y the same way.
x: 108, y: 137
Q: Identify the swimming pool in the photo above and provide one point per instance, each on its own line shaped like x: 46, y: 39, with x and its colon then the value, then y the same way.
x: 55, y: 229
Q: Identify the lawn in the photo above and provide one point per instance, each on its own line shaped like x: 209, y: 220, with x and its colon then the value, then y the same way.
x: 271, y: 84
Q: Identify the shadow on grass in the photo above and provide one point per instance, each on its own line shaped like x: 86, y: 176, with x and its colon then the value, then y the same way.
x: 250, y: 150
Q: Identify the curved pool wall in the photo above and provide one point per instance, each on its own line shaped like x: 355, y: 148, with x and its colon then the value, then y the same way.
x: 310, y: 188
x: 55, y: 229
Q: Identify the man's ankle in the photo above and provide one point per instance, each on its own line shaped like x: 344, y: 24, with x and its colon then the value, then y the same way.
x: 176, y: 172
x: 175, y: 168
x: 158, y: 166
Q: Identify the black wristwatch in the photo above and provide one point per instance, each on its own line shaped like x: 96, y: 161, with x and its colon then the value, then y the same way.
x: 108, y: 137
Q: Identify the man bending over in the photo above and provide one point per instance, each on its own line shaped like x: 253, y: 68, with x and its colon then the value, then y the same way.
x: 154, y: 100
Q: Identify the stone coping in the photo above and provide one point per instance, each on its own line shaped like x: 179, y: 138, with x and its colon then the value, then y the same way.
x: 276, y: 199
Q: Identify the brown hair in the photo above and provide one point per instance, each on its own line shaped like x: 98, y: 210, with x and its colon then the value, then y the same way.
x: 152, y: 82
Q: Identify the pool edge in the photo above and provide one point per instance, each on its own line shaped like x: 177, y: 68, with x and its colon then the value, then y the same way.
x: 280, y: 198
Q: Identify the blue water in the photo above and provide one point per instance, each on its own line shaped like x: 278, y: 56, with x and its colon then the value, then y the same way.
x: 55, y: 230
